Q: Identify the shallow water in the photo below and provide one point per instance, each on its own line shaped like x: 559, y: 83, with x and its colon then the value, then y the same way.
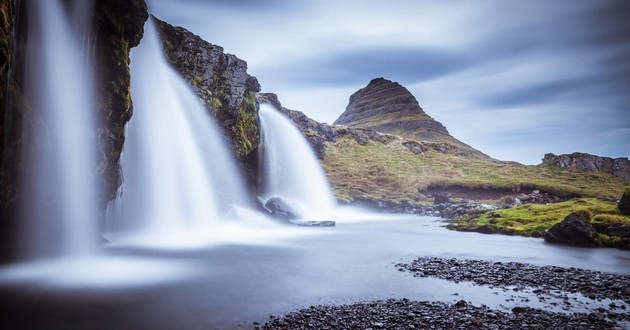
x: 233, y: 282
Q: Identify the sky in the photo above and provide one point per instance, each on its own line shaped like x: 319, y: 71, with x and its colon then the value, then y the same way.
x: 515, y: 79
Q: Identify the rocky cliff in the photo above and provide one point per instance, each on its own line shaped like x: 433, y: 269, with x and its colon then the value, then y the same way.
x: 118, y: 26
x: 224, y: 86
x: 619, y: 167
x: 386, y: 106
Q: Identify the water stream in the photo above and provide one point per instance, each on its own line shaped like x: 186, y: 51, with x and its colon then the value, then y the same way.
x: 231, y: 285
x: 59, y: 185
x: 290, y: 168
x: 178, y: 173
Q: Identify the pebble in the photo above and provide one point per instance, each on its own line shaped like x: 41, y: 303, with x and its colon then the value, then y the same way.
x: 393, y: 314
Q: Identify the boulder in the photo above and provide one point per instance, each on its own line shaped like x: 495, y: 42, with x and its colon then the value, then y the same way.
x: 573, y: 230
x: 282, y: 209
x: 624, y: 202
x: 313, y: 223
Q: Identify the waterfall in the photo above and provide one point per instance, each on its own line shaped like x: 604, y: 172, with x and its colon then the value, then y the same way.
x: 59, y: 189
x: 290, y: 168
x: 178, y: 173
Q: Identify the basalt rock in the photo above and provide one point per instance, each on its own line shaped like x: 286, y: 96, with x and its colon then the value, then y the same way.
x: 386, y: 106
x: 573, y: 230
x: 282, y: 209
x: 619, y: 167
x: 222, y: 83
x: 118, y: 26
x: 624, y: 202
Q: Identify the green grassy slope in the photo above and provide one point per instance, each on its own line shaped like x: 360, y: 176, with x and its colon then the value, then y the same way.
x: 391, y: 172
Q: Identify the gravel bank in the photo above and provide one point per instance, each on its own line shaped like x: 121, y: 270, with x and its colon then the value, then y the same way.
x: 406, y: 314
x: 543, y: 279
x: 510, y: 276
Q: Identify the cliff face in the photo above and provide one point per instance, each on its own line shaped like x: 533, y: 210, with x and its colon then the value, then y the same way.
x: 119, y: 26
x: 224, y: 86
x: 619, y: 167
x: 386, y: 106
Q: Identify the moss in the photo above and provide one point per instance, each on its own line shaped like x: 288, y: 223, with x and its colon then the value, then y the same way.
x: 534, y: 219
x: 215, y: 103
x: 247, y: 124
x: 606, y: 220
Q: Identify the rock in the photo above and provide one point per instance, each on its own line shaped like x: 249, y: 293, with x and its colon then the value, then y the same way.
x: 282, y: 209
x: 624, y: 202
x: 313, y: 223
x: 572, y: 231
x: 225, y: 88
x: 386, y: 106
x: 119, y: 26
x: 619, y: 167
x: 619, y: 230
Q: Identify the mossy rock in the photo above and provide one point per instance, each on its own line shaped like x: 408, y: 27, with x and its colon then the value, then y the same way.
x: 624, y: 202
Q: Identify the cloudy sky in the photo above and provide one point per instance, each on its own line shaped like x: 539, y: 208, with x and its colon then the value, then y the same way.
x: 514, y: 79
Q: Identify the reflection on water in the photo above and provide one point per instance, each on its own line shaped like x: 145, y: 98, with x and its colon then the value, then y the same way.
x: 255, y: 272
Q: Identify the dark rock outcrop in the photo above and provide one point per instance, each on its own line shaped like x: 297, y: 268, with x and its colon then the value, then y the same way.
x: 624, y: 202
x: 386, y: 106
x: 573, y: 230
x: 282, y: 209
x: 119, y: 26
x: 619, y: 167
x: 222, y: 83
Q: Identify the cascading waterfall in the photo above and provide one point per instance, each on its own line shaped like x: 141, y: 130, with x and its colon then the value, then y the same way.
x: 290, y: 168
x: 59, y: 185
x: 178, y: 173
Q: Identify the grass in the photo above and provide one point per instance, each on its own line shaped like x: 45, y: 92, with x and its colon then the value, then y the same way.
x: 534, y: 219
x: 390, y: 172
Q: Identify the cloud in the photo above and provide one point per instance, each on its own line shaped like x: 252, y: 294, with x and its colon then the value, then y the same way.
x: 500, y: 75
x: 404, y: 64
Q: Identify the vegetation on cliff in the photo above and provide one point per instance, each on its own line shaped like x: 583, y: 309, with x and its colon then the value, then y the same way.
x: 225, y: 88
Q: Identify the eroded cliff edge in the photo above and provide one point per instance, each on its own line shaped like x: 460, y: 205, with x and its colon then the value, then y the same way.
x: 225, y: 88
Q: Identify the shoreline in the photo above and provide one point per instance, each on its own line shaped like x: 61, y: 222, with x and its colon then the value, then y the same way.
x: 544, y: 282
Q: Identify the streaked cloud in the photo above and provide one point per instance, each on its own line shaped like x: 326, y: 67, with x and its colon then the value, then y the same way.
x: 500, y: 75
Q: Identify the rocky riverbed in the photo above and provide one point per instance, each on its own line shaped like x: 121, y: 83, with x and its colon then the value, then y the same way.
x: 519, y: 276
x: 542, y: 282
x: 406, y: 314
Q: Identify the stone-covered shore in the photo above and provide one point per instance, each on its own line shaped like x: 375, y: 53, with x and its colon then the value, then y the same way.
x: 406, y: 314
x: 542, y: 281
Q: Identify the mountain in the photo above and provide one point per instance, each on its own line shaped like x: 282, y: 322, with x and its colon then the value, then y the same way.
x: 386, y: 106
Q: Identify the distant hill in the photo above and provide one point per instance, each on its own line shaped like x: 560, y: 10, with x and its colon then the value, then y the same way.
x: 383, y: 169
x: 386, y: 106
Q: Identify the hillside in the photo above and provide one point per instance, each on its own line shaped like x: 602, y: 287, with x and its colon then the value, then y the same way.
x: 367, y: 166
x: 386, y: 106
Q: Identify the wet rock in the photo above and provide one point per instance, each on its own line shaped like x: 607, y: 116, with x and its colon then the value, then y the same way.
x: 572, y: 231
x: 224, y: 87
x: 542, y: 279
x: 282, y: 209
x: 313, y: 223
x: 624, y: 202
x: 394, y: 314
